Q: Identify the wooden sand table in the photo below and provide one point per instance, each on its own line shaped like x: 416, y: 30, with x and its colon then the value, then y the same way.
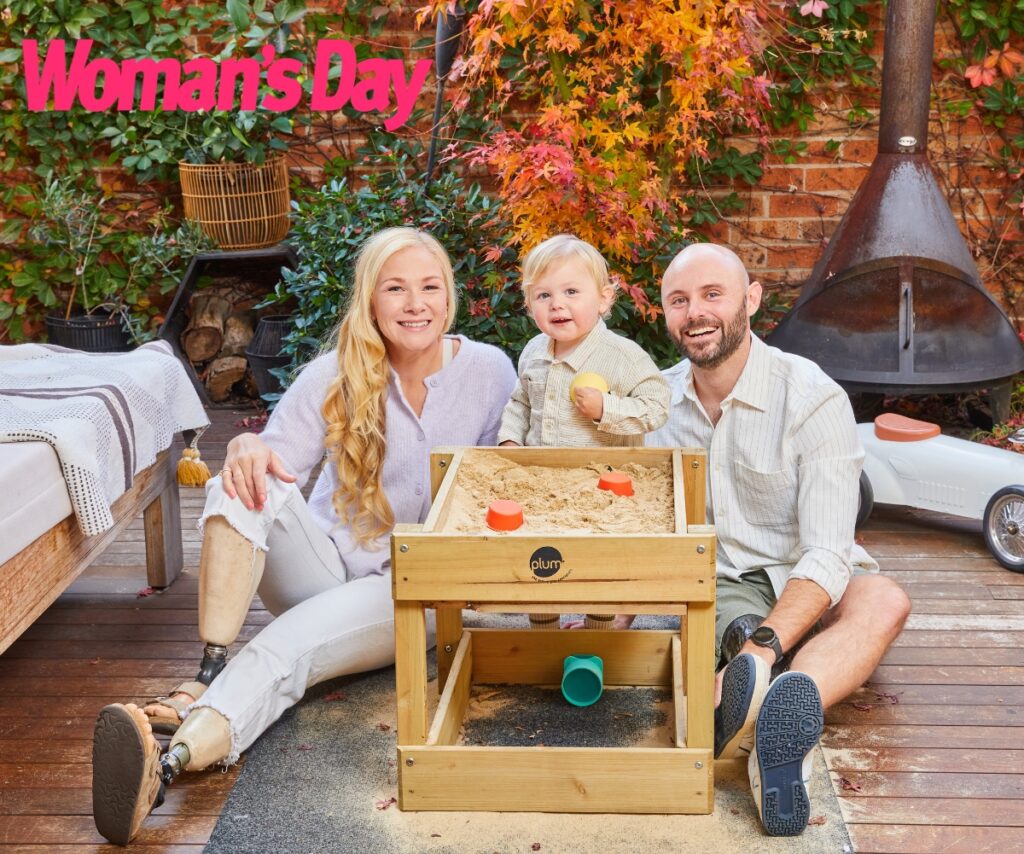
x: 563, y: 499
x: 581, y: 548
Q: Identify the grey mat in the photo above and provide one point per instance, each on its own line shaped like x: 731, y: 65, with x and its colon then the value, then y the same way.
x: 316, y: 780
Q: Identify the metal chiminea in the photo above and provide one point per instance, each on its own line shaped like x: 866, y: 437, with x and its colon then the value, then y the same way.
x: 895, y: 304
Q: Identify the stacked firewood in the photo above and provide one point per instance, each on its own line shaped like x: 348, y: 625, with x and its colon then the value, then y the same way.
x: 215, y: 340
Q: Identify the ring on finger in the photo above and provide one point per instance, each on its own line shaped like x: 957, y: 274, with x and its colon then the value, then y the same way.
x: 224, y: 472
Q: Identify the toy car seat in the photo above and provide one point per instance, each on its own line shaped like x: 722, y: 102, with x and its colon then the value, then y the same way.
x: 891, y: 427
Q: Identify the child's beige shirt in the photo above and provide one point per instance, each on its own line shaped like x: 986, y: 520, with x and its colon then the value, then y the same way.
x: 540, y: 412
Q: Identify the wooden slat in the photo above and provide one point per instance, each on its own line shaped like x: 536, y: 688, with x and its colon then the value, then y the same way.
x: 449, y: 634
x: 678, y: 693
x: 932, y: 786
x: 596, y: 568
x: 945, y: 759
x: 915, y: 839
x: 556, y: 779
x: 50, y: 829
x: 534, y: 657
x: 868, y: 735
x: 844, y: 713
x: 441, y: 504
x: 699, y: 638
x: 694, y: 476
x: 970, y: 812
x: 411, y: 672
x: 455, y: 698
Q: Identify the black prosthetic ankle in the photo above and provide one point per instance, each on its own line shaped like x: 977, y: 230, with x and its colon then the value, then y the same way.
x: 173, y: 762
x: 214, y: 659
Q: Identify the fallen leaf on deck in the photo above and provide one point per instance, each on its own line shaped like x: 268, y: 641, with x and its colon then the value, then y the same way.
x: 894, y: 699
x: 848, y: 785
x: 862, y: 707
x: 145, y: 591
x: 383, y: 805
x: 383, y: 727
x: 334, y: 696
x: 305, y: 747
x: 818, y: 819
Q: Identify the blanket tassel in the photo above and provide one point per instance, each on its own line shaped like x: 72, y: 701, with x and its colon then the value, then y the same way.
x: 192, y: 471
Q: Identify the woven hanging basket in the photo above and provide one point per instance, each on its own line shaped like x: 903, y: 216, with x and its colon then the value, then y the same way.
x: 239, y: 205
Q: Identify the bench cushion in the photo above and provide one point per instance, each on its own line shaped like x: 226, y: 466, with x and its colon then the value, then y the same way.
x: 33, y: 495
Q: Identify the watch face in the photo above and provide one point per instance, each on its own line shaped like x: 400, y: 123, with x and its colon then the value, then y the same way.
x: 763, y: 635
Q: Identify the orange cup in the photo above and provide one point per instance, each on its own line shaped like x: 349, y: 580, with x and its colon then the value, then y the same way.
x: 617, y: 482
x: 504, y: 516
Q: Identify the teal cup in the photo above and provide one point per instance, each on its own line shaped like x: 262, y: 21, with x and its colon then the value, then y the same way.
x: 582, y: 679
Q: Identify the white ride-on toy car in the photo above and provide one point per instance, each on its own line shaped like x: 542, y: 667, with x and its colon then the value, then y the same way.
x: 909, y: 462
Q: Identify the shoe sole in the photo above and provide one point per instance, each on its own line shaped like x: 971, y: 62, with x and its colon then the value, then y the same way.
x: 788, y: 726
x: 742, y: 695
x: 118, y: 763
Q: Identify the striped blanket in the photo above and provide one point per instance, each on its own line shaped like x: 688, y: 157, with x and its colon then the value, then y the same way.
x: 107, y: 415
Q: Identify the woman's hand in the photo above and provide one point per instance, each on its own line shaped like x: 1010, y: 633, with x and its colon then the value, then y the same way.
x: 248, y: 462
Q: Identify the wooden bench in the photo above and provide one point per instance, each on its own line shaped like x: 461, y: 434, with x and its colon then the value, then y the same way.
x: 34, y: 577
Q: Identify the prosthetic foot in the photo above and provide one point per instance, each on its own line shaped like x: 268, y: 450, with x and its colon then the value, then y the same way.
x: 129, y: 776
x: 126, y: 779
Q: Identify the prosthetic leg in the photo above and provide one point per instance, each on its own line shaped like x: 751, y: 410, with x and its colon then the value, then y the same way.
x: 230, y: 569
x: 129, y: 773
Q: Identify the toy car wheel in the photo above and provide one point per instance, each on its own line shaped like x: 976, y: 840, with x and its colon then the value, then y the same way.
x: 1004, y: 527
x: 867, y: 500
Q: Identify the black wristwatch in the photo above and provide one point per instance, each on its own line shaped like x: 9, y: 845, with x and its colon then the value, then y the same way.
x: 765, y: 636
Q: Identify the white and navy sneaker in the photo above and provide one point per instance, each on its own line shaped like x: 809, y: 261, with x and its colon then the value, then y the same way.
x: 744, y: 685
x: 788, y: 726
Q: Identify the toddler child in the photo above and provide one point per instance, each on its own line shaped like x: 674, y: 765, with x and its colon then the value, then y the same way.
x: 568, y: 292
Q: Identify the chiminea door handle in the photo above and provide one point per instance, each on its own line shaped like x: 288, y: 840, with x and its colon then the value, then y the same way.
x: 908, y: 315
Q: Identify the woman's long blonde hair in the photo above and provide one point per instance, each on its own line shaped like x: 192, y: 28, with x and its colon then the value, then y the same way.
x: 355, y: 405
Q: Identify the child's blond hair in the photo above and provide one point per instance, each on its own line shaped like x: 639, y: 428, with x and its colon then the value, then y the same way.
x: 539, y: 259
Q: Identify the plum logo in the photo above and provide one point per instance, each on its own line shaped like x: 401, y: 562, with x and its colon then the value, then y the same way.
x: 546, y: 562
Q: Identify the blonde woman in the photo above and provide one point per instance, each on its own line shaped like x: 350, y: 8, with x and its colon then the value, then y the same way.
x: 395, y: 386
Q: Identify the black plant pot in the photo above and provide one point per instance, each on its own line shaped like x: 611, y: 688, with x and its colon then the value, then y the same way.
x: 264, y: 352
x: 94, y: 333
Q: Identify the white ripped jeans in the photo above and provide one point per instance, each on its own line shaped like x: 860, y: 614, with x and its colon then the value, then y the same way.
x: 326, y: 625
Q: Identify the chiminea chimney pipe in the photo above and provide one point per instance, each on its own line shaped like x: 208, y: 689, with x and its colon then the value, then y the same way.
x: 906, y: 77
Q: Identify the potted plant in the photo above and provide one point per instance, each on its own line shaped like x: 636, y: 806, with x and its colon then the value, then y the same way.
x: 96, y: 276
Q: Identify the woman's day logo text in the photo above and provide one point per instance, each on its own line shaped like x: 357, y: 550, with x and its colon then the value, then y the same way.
x: 202, y: 83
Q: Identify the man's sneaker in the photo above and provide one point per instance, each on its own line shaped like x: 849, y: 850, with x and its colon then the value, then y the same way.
x: 744, y: 685
x: 788, y: 726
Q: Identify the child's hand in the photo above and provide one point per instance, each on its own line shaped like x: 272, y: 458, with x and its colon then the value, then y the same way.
x: 590, y: 403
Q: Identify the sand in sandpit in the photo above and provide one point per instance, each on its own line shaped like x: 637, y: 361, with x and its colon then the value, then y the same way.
x: 562, y: 499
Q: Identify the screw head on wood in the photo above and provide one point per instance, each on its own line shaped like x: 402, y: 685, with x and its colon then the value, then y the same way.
x: 695, y: 464
x: 442, y: 463
x: 410, y: 761
x: 447, y: 647
x: 698, y: 764
x: 700, y: 550
x: 403, y: 548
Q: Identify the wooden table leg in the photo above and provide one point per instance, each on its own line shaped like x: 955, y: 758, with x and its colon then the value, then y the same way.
x: 700, y: 674
x: 449, y: 633
x: 411, y: 672
x: 162, y: 523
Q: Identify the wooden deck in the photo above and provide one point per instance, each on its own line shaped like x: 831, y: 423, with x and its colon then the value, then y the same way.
x: 932, y: 751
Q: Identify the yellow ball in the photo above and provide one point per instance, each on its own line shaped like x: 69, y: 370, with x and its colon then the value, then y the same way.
x: 587, y: 381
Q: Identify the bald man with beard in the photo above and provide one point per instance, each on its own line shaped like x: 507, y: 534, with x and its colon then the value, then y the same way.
x: 793, y: 588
